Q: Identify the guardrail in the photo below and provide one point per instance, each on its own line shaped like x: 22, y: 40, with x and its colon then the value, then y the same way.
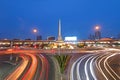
x: 60, y: 51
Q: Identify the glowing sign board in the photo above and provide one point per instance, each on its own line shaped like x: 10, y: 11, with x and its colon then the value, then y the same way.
x: 73, y: 38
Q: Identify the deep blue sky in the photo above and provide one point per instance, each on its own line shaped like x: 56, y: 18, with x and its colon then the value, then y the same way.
x: 78, y: 17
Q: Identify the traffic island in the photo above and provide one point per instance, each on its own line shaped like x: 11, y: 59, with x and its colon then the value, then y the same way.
x: 63, y: 61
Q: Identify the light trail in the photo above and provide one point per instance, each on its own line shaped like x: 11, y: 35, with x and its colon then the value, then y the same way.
x: 104, y: 62
x: 16, y: 74
x: 96, y: 67
x: 31, y: 72
x: 86, y: 68
x: 45, y: 67
x: 99, y: 67
x: 29, y: 66
x: 79, y: 62
x: 73, y: 69
x: 107, y: 65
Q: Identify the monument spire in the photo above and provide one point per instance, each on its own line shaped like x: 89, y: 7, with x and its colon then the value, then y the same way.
x: 59, y: 31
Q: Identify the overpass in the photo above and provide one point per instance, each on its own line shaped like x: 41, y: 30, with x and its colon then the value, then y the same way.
x: 32, y: 43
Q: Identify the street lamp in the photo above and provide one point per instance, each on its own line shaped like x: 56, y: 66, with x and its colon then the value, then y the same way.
x: 97, y: 33
x: 35, y: 31
x: 97, y: 28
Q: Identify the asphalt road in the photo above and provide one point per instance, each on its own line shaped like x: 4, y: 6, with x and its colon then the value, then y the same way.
x: 96, y: 66
x: 33, y: 66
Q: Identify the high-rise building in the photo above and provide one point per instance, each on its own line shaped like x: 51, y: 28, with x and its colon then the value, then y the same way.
x: 98, y: 35
x: 91, y: 37
x: 39, y: 37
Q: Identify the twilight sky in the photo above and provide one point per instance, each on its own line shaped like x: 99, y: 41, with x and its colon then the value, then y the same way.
x: 78, y: 17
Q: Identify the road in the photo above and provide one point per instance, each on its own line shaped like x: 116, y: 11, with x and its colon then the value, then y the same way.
x: 96, y: 66
x: 33, y: 66
x: 89, y: 65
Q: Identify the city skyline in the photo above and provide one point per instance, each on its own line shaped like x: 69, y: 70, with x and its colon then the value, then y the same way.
x: 78, y: 17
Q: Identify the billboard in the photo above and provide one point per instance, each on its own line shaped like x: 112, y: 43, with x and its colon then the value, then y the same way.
x: 72, y: 38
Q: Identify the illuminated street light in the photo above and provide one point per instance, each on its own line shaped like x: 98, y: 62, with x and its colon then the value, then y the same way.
x: 97, y: 28
x: 97, y: 33
x: 35, y: 32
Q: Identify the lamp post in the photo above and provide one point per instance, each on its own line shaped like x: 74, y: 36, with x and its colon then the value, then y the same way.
x: 97, y: 34
x: 35, y: 32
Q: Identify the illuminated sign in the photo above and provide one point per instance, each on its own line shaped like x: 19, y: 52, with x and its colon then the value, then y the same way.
x: 73, y: 38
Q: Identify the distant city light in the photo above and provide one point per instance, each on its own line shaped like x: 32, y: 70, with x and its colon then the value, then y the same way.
x: 72, y: 38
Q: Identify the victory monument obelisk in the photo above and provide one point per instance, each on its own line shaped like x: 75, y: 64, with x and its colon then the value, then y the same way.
x: 59, y: 32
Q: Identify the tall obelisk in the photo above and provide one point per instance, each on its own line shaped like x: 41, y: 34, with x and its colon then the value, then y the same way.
x: 59, y: 32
